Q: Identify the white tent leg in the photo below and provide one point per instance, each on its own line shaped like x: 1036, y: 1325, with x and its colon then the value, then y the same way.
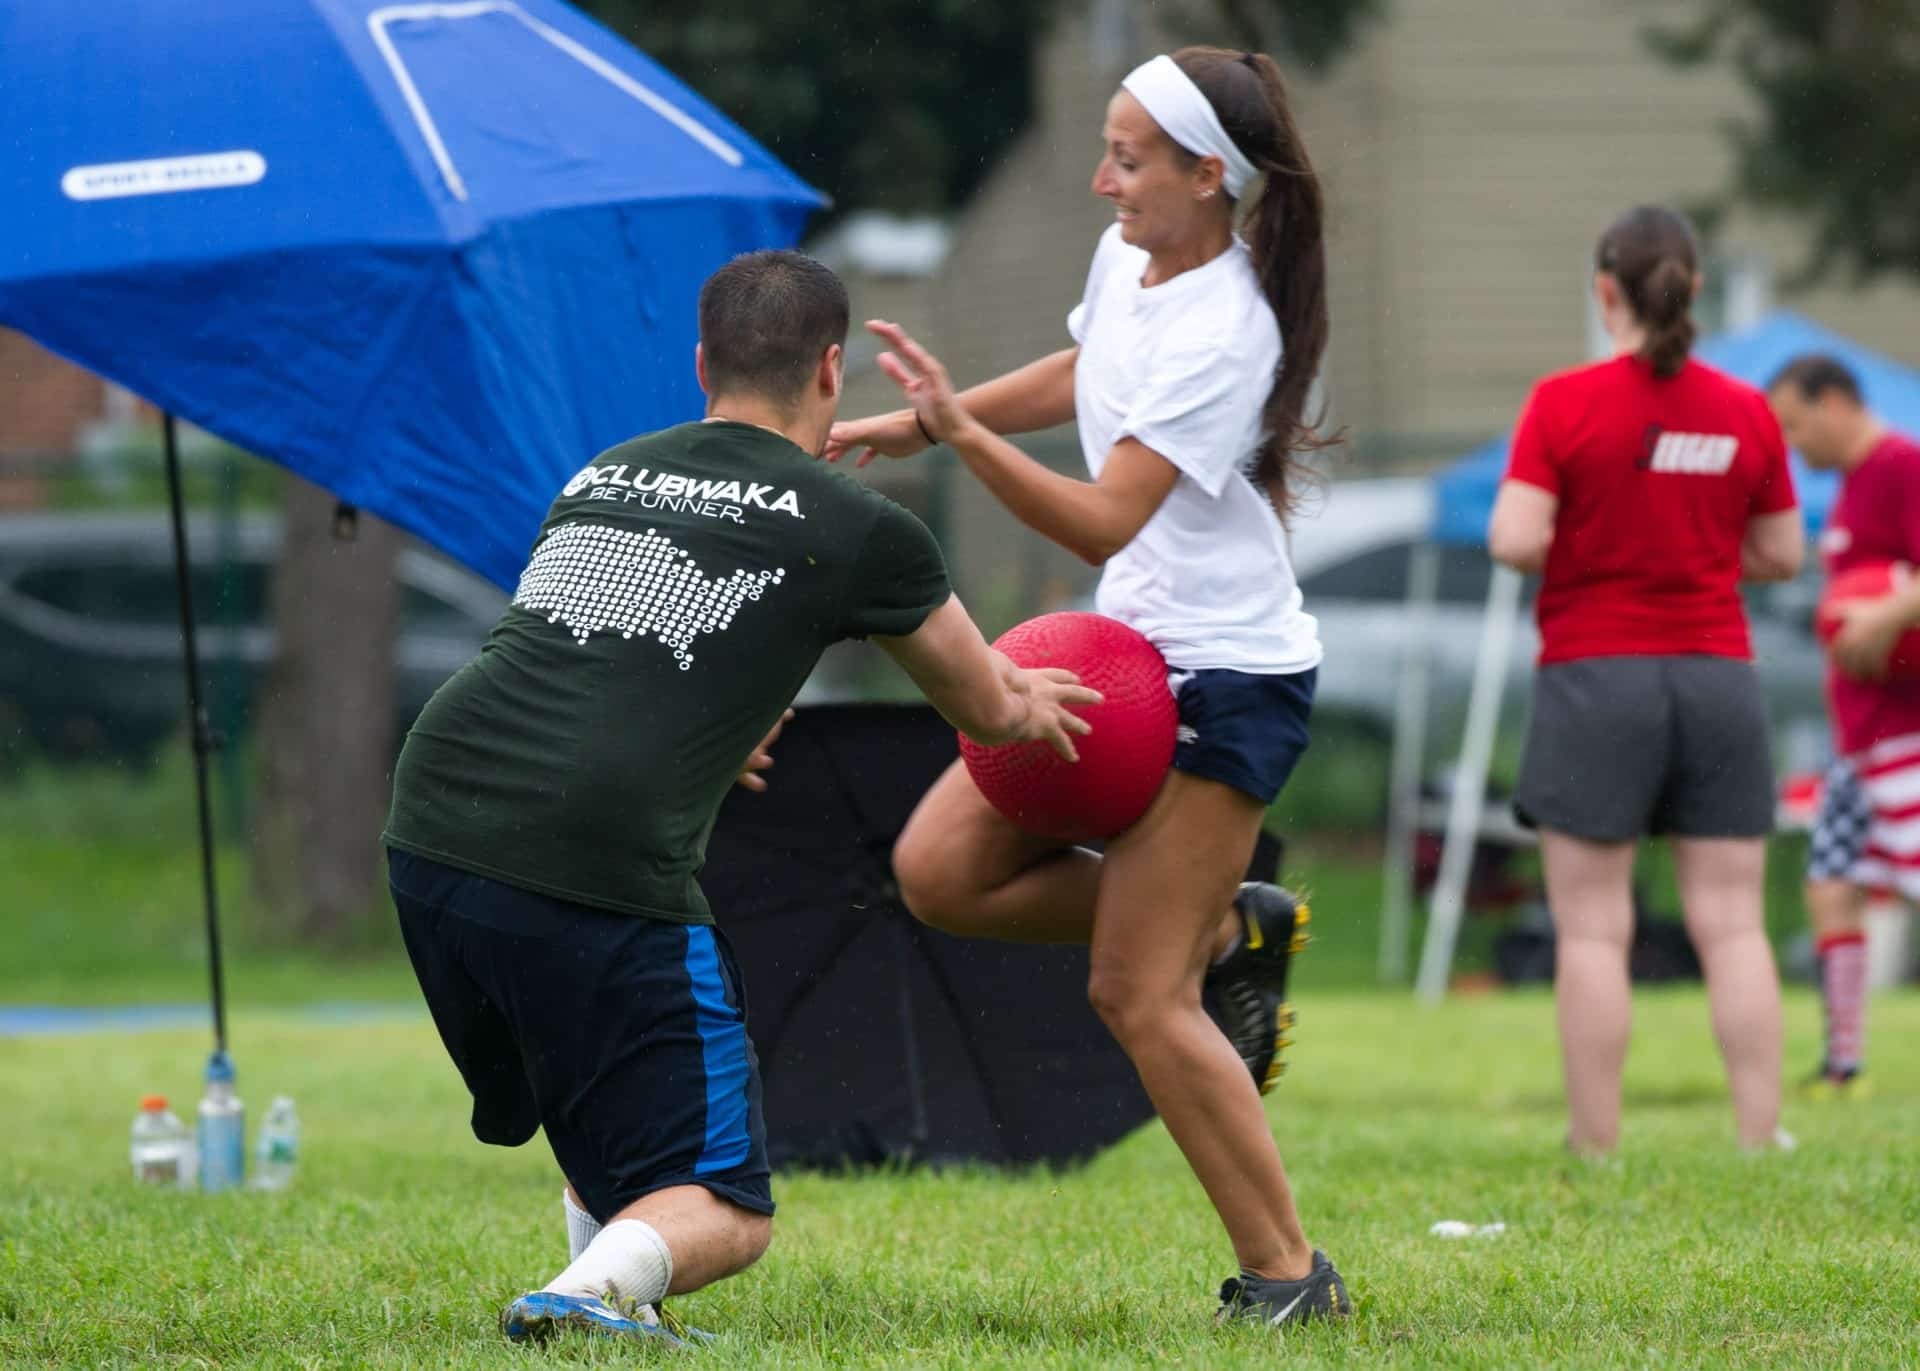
x: 1469, y: 784
x: 1403, y: 777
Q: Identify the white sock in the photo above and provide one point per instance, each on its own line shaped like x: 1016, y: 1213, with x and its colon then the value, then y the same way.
x: 629, y: 1262
x: 581, y: 1227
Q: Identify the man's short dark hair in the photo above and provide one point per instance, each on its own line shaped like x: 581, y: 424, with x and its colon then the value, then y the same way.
x: 1813, y: 374
x: 765, y: 319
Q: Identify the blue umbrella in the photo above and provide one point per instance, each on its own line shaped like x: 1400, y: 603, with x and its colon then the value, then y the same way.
x: 430, y: 256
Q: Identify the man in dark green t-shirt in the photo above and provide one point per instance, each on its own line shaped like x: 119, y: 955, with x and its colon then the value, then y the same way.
x: 552, y: 804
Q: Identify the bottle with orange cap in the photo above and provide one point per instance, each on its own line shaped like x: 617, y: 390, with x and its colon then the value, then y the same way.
x: 162, y: 1146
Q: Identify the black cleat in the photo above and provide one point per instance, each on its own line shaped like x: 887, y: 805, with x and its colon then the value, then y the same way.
x: 1320, y: 1294
x: 1827, y: 1084
x: 1246, y: 990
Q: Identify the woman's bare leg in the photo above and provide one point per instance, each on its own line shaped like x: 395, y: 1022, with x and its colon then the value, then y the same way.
x: 1152, y: 911
x: 1722, y: 889
x: 965, y: 869
x: 1590, y: 890
x: 1164, y: 883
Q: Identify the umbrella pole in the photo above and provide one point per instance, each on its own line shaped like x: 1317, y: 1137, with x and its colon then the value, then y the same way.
x: 201, y: 732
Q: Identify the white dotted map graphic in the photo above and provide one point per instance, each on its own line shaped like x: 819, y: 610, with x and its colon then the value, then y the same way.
x: 596, y: 579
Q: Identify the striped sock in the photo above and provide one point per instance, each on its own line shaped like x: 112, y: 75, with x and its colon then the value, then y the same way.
x: 1843, y: 986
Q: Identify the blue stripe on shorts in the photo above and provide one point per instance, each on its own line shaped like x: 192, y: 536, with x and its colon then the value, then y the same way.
x: 723, y: 1039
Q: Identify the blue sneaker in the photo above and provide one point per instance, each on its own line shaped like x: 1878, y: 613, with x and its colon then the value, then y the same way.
x: 538, y: 1316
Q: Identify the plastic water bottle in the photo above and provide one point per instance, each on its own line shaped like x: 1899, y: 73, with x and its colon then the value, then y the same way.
x: 162, y: 1150
x: 223, y: 1128
x: 277, y: 1150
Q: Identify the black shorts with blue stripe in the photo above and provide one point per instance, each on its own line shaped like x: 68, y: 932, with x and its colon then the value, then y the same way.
x: 624, y: 1038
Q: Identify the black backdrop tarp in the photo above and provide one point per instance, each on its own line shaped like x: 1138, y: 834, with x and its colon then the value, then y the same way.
x: 879, y: 1038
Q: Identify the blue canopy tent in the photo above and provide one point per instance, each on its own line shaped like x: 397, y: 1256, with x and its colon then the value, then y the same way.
x: 1463, y: 501
x: 431, y: 256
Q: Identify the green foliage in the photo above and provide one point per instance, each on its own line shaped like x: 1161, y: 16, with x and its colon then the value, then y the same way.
x: 402, y: 1236
x: 104, y: 906
x: 881, y: 104
x: 907, y: 104
x: 104, y: 900
x: 103, y: 887
x: 1340, y: 786
x: 1310, y: 33
x: 1834, y: 139
x: 213, y: 476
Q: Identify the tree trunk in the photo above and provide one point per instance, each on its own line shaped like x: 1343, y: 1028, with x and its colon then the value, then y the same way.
x: 326, y: 730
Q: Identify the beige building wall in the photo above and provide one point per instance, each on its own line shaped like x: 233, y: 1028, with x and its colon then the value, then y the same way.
x: 1020, y: 255
x: 1017, y: 265
x: 1473, y: 151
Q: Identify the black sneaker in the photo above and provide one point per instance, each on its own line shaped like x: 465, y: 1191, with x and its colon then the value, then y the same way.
x: 1246, y: 990
x: 1320, y: 1294
x: 1827, y: 1084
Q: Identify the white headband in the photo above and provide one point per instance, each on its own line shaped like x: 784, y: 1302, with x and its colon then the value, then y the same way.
x: 1178, y: 107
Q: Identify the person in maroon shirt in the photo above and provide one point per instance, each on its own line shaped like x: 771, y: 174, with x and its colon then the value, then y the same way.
x: 1645, y: 489
x: 1876, y: 720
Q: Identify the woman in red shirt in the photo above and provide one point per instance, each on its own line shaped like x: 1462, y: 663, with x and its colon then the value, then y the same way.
x: 1645, y: 489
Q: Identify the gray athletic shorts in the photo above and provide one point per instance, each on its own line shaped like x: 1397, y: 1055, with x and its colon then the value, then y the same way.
x: 1623, y: 747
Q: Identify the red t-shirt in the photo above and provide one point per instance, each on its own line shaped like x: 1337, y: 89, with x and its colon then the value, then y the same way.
x: 1875, y: 519
x: 1656, y: 481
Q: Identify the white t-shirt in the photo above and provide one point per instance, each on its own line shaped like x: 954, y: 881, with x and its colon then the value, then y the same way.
x: 1186, y: 367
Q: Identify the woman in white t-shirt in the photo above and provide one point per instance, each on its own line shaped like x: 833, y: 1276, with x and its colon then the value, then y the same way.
x: 1194, y: 350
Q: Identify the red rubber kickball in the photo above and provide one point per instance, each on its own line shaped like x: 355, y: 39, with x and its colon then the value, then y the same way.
x: 1122, y: 762
x: 1870, y: 581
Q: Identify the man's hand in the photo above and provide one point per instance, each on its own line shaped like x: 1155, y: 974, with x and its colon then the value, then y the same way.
x: 883, y: 435
x: 1869, y: 632
x: 1047, y: 691
x: 760, y: 759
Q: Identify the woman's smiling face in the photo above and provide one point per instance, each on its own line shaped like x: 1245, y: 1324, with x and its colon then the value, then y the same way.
x: 1155, y: 189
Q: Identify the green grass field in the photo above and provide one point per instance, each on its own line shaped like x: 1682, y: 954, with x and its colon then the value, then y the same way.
x: 403, y: 1236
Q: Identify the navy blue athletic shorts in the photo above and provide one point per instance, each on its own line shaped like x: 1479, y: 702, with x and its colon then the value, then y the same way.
x: 624, y: 1037
x: 1240, y: 729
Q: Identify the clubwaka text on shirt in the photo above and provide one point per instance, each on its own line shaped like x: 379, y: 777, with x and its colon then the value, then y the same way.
x: 665, y: 491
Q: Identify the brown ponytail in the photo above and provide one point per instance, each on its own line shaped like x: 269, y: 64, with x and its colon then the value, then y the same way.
x: 1651, y: 251
x: 1284, y: 228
